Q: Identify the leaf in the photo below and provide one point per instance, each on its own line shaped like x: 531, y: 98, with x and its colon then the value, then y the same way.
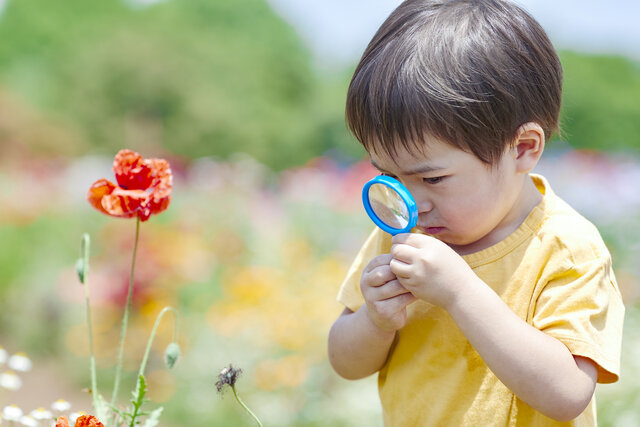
x: 101, y: 407
x: 154, y: 418
x: 138, y: 399
x: 139, y: 392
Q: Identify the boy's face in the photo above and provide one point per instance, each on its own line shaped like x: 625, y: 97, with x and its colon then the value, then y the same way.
x: 461, y: 200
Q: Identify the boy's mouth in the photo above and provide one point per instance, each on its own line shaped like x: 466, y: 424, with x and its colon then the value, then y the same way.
x: 432, y: 230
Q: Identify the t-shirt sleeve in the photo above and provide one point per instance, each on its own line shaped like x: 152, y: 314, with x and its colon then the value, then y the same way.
x: 582, y: 308
x: 349, y: 294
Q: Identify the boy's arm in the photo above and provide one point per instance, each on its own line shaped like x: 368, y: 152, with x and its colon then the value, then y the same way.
x: 357, y: 347
x: 359, y: 342
x: 536, y: 367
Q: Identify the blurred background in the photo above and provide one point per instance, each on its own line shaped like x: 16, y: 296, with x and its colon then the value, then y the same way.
x: 245, y: 98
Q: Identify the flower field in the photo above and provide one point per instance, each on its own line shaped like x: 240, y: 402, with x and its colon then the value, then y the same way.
x: 252, y: 260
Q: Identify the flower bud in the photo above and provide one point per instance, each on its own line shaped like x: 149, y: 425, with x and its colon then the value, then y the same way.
x: 171, y: 354
x: 82, y: 264
x: 80, y: 269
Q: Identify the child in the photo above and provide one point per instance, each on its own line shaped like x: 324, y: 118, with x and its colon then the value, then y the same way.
x: 501, y: 307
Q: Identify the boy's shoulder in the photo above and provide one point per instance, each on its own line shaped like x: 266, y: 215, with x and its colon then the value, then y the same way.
x: 569, y: 234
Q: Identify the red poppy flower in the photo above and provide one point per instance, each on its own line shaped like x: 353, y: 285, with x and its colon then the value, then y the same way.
x: 88, y: 421
x: 82, y: 421
x: 143, y: 187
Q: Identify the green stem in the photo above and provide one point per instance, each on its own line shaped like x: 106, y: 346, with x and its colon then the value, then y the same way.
x: 92, y: 360
x: 246, y: 408
x: 125, y: 319
x: 143, y: 365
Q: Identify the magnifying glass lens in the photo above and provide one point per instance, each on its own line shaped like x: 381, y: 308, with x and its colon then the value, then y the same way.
x: 388, y: 206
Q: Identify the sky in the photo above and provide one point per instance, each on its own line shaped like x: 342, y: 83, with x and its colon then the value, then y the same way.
x: 337, y: 31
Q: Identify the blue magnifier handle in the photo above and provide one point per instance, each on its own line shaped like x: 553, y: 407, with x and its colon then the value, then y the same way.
x: 390, y: 205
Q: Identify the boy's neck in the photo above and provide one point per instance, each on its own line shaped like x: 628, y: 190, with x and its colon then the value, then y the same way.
x: 528, y: 198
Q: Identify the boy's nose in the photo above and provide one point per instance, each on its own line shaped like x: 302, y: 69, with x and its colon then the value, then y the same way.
x: 423, y: 201
x: 424, y: 206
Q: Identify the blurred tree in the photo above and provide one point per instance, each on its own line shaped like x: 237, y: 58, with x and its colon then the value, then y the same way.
x: 198, y: 77
x: 600, y: 106
x: 203, y: 77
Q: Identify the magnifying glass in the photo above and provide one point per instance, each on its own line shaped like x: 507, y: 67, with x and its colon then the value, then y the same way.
x: 390, y: 205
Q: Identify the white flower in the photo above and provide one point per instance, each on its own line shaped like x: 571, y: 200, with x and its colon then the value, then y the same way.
x: 28, y: 421
x: 41, y: 414
x: 12, y: 413
x: 61, y: 405
x: 20, y: 362
x: 3, y: 355
x: 10, y: 381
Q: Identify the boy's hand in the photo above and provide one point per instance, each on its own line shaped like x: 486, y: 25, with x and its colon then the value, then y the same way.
x: 428, y: 268
x: 386, y: 298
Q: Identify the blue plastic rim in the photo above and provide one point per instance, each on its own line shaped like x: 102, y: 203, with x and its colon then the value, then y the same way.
x: 404, y: 194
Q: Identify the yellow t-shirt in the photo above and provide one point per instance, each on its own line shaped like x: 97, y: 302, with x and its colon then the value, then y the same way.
x: 554, y: 271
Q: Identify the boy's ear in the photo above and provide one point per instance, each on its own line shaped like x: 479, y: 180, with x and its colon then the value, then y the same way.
x: 528, y: 146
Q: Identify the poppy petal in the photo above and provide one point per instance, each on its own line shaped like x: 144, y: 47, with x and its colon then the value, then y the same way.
x: 124, y: 203
x: 97, y: 191
x: 158, y: 205
x: 162, y: 185
x: 162, y: 177
x: 88, y: 421
x: 131, y: 170
x: 62, y: 422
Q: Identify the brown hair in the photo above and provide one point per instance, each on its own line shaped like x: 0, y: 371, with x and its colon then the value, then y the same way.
x: 468, y: 72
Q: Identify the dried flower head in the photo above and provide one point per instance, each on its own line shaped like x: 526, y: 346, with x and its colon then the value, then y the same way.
x: 227, y: 376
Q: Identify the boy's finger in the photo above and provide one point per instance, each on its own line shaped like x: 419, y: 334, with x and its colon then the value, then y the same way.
x: 401, y: 301
x: 400, y: 269
x: 400, y: 238
x: 403, y: 252
x: 378, y: 261
x: 379, y: 276
x: 391, y: 289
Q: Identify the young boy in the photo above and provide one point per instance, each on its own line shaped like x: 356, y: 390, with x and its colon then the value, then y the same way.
x: 501, y: 307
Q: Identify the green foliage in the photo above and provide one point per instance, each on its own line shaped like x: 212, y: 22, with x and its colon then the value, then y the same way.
x: 138, y: 399
x: 600, y: 106
x: 198, y: 77
x: 134, y: 411
x: 212, y: 78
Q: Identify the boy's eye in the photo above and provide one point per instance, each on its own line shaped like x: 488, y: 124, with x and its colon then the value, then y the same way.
x: 433, y: 180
